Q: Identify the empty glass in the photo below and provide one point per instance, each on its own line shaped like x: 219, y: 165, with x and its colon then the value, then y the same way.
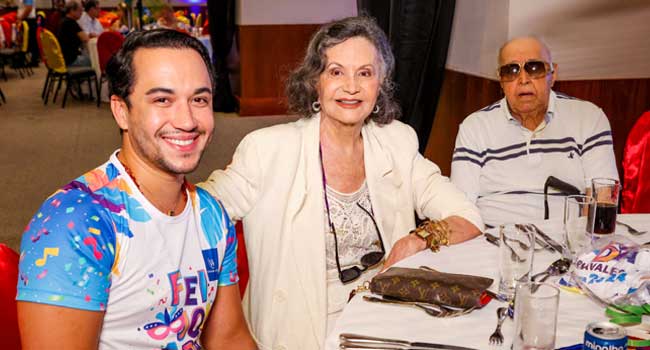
x: 516, y: 248
x: 536, y: 308
x: 578, y: 222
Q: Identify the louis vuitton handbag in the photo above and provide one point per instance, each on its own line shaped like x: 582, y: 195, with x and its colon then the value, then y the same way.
x: 433, y: 287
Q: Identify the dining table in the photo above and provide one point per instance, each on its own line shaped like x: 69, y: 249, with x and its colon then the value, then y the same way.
x: 480, y: 258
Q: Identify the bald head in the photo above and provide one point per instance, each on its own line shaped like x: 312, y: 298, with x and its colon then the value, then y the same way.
x: 528, y: 91
x: 526, y: 43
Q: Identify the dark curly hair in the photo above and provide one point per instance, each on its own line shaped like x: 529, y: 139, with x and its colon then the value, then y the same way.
x: 301, y: 85
x: 120, y: 71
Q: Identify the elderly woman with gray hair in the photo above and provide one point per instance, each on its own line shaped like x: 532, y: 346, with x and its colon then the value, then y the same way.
x: 328, y: 198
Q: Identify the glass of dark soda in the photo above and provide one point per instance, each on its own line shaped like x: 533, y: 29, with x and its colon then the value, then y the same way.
x: 606, y: 192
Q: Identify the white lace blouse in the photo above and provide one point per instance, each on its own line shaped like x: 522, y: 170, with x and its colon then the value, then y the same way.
x: 356, y: 236
x: 355, y: 232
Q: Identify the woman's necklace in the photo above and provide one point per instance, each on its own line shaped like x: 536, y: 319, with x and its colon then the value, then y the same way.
x: 171, y: 212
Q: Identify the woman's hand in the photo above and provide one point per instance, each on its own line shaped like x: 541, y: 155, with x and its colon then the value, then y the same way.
x: 403, y: 248
x: 459, y: 230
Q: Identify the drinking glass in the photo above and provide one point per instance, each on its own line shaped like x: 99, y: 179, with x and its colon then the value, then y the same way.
x: 606, y: 192
x: 578, y: 222
x: 536, y: 306
x: 516, y: 248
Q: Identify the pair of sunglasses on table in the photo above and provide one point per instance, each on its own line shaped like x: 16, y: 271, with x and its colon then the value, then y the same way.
x: 534, y: 68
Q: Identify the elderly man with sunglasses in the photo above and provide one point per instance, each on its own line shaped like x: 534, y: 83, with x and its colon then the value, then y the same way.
x: 506, y: 151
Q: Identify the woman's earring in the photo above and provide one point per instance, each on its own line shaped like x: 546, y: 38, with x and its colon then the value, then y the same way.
x: 315, y: 106
x: 376, y: 109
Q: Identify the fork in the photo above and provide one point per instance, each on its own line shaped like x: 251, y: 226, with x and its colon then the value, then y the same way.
x: 497, y: 337
x: 630, y: 229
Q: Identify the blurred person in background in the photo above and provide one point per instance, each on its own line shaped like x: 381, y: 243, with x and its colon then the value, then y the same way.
x: 166, y: 18
x: 53, y: 20
x: 120, y: 22
x: 27, y: 12
x: 88, y: 21
x: 71, y: 37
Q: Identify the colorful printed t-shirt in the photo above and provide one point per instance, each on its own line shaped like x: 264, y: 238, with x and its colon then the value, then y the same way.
x: 99, y: 244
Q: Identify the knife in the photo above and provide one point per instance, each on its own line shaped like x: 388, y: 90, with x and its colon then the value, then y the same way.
x: 539, y: 242
x: 558, y: 247
x: 491, y: 238
x: 495, y: 240
x: 357, y: 339
x: 348, y: 345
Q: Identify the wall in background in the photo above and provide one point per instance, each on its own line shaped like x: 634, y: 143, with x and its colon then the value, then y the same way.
x: 480, y: 27
x: 273, y: 36
x: 261, y: 12
x: 461, y: 95
x: 267, y: 54
x: 590, y: 39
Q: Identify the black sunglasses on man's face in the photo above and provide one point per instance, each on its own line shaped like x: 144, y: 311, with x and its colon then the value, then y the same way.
x: 534, y: 68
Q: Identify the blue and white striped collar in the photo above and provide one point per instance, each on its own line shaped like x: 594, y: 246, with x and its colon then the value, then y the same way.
x: 550, y: 112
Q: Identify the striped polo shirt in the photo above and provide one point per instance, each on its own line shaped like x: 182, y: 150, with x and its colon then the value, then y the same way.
x: 502, y: 166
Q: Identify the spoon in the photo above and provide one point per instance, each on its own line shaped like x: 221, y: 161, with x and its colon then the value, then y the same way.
x: 557, y: 268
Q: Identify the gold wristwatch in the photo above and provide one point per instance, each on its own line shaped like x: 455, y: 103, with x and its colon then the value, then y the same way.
x: 424, y: 234
x: 434, y: 233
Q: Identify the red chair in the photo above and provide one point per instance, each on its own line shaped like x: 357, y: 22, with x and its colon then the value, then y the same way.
x: 636, y: 168
x: 5, y: 22
x: 242, y: 259
x: 108, y: 43
x: 9, y: 335
x: 6, y: 31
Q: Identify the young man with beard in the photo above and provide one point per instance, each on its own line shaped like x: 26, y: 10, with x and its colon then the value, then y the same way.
x: 131, y: 255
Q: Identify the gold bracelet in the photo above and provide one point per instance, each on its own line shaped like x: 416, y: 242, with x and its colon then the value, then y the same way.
x: 445, y: 232
x: 434, y: 232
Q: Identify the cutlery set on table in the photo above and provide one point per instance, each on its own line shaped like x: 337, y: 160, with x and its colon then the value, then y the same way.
x: 541, y: 241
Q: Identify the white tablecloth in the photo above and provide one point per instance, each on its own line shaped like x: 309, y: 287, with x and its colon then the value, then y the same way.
x: 475, y: 257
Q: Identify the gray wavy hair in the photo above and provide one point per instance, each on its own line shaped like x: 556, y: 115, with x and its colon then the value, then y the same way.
x: 301, y: 85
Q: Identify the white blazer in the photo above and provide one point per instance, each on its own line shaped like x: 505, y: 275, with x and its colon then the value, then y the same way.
x: 274, y: 183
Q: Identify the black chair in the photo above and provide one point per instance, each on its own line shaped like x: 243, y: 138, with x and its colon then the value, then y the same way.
x: 59, y: 72
x: 18, y: 56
